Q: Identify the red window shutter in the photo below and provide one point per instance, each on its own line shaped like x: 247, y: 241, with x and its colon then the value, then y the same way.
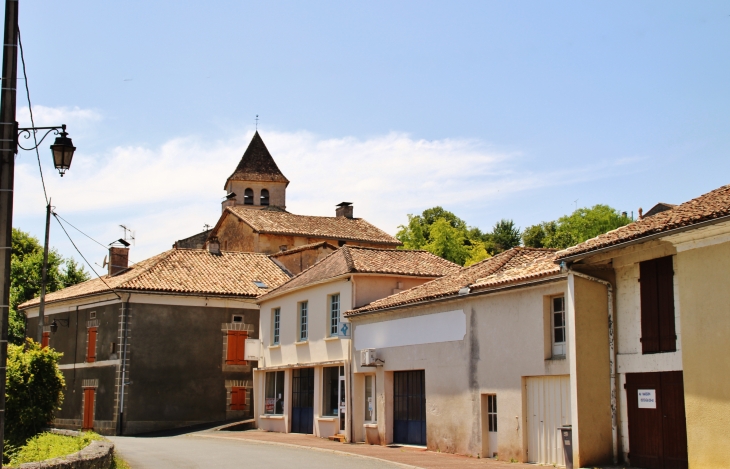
x: 236, y: 353
x: 665, y: 304
x: 91, y: 346
x: 649, y: 307
x: 231, y: 352
x: 238, y: 398
x: 46, y: 338
x: 88, y: 422
x: 241, y: 348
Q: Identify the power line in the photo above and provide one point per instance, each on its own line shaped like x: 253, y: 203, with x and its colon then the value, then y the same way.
x: 69, y: 224
x: 32, y: 122
x: 83, y: 257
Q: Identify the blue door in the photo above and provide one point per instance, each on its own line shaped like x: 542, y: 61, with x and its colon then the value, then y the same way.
x: 302, y: 418
x: 409, y: 409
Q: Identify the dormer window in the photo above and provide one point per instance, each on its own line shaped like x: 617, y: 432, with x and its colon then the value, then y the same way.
x: 264, y: 197
x: 248, y: 197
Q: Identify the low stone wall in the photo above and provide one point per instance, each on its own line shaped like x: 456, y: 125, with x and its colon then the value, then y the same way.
x: 98, y: 455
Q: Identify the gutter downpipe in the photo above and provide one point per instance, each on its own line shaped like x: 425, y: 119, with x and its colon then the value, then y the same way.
x: 125, y: 322
x: 611, y: 359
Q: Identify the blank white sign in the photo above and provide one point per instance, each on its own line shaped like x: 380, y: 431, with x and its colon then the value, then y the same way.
x: 647, y: 399
x: 426, y: 329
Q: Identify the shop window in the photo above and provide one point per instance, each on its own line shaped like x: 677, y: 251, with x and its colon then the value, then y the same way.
x: 657, y: 306
x: 492, y: 412
x: 333, y: 393
x: 248, y: 197
x: 45, y: 339
x: 370, y: 412
x: 303, y: 321
x: 274, y: 393
x: 559, y: 337
x: 236, y: 348
x: 276, y: 326
x: 334, y: 314
x: 238, y: 398
x: 264, y: 197
x: 91, y: 345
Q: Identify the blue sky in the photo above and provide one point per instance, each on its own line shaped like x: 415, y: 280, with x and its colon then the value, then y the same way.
x: 490, y: 109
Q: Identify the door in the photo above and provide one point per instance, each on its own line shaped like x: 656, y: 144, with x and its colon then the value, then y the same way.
x: 548, y: 407
x: 489, y: 425
x: 302, y: 394
x: 409, y: 407
x: 657, y: 425
x: 89, y: 395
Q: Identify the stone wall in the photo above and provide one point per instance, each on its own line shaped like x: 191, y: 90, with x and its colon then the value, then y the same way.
x: 98, y: 455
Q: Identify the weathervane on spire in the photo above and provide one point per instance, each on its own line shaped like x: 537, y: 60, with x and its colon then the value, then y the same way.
x: 257, y: 122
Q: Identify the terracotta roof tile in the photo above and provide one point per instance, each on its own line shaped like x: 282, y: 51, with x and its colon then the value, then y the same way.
x: 707, y: 207
x: 188, y: 271
x: 357, y: 259
x: 305, y: 247
x: 257, y: 164
x: 511, y: 266
x: 284, y: 223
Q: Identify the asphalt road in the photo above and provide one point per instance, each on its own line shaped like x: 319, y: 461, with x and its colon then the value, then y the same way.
x: 190, y: 451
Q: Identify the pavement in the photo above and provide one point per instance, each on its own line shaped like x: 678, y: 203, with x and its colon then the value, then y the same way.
x: 256, y: 448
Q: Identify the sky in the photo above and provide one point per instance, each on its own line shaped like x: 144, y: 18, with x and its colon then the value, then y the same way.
x: 518, y: 110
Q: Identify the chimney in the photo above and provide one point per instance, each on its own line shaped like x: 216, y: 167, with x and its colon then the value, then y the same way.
x: 214, y: 246
x: 344, y: 209
x: 118, y: 260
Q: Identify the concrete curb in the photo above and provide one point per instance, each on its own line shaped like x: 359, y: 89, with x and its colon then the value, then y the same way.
x: 98, y: 455
x: 313, y: 448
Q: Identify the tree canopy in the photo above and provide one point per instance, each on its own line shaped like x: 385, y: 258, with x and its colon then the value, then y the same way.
x: 444, y: 234
x: 26, y: 267
x: 569, y: 230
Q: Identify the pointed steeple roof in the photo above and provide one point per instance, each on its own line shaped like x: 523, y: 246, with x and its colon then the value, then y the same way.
x: 257, y: 164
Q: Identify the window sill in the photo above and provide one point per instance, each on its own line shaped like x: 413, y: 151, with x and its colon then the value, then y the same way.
x: 301, y: 342
x: 370, y: 425
x: 331, y: 339
x: 326, y: 419
x: 272, y: 417
x: 274, y: 346
x: 555, y: 358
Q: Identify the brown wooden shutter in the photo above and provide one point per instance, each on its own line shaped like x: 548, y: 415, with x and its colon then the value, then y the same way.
x: 649, y: 307
x: 91, y: 346
x: 88, y: 422
x: 236, y: 353
x: 665, y: 304
x: 238, y: 398
x: 46, y: 338
x: 231, y: 352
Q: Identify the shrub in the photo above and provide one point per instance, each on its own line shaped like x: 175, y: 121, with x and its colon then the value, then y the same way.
x: 51, y: 445
x: 33, y: 392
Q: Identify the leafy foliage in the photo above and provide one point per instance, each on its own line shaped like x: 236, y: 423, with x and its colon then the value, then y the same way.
x: 51, y: 445
x: 26, y: 273
x: 33, y: 392
x: 505, y: 235
x: 579, y: 226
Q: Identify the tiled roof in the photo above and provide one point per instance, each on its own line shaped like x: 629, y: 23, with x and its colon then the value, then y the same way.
x: 284, y: 223
x: 357, y: 259
x: 187, y: 271
x: 516, y: 265
x: 257, y: 164
x: 305, y: 247
x: 706, y: 207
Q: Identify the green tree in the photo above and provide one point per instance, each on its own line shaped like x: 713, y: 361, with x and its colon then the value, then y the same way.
x: 569, y: 230
x: 33, y: 392
x: 26, y: 264
x: 505, y: 235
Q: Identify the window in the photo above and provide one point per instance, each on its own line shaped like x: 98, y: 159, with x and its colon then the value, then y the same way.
x: 276, y: 326
x: 248, y: 197
x: 237, y: 318
x: 370, y: 415
x: 334, y: 314
x: 303, y: 311
x: 238, y: 398
x: 274, y: 393
x: 46, y: 338
x: 91, y: 345
x: 558, y: 326
x: 333, y: 393
x: 92, y: 315
x: 657, y: 306
x: 236, y: 349
x: 264, y: 197
x: 492, y: 412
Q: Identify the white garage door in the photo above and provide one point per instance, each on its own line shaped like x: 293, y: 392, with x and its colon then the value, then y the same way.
x: 548, y: 407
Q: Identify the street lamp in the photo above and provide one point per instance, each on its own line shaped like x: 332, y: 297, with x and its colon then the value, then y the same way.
x: 63, y: 148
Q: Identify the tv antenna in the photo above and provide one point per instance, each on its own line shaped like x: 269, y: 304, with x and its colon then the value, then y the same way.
x: 130, y: 235
x: 257, y: 122
x: 576, y: 203
x: 206, y: 227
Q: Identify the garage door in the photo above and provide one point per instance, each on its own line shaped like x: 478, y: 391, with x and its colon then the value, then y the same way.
x: 548, y: 407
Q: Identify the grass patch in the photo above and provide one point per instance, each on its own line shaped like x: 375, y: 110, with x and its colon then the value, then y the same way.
x: 51, y: 445
x: 120, y: 463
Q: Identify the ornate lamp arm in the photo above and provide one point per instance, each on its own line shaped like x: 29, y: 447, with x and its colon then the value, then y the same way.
x: 26, y: 133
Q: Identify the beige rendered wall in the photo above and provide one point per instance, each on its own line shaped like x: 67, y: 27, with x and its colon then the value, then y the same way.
x: 587, y: 304
x: 277, y: 192
x: 234, y: 235
x: 704, y: 296
x: 369, y: 288
x: 299, y: 261
x: 504, y: 342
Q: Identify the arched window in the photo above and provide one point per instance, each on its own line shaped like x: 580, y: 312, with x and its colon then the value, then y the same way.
x: 248, y: 197
x: 264, y: 197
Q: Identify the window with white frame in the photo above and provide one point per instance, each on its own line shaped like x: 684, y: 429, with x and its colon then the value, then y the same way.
x: 558, y: 326
x: 303, y: 321
x: 274, y: 393
x: 370, y: 413
x: 275, y: 325
x: 334, y: 314
x: 492, y: 412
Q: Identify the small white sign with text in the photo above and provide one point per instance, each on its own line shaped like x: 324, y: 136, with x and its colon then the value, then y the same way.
x: 647, y: 399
